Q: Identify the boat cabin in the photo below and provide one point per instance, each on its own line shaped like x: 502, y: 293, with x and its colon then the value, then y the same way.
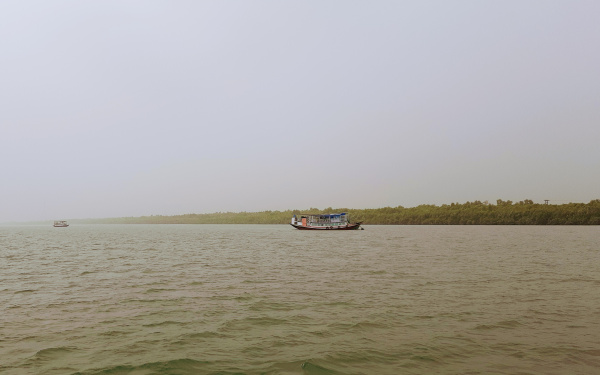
x: 327, y: 220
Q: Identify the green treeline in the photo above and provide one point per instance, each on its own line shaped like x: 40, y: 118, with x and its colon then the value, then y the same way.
x: 470, y: 213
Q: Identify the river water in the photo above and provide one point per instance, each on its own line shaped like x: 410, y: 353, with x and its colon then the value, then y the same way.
x: 269, y: 299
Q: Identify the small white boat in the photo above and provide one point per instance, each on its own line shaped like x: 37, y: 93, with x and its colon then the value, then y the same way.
x: 324, y: 222
x: 60, y: 224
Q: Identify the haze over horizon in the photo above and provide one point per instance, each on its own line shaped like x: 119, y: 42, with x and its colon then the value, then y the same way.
x: 133, y: 108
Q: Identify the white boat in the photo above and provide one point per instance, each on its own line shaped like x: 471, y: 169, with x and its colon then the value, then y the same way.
x: 60, y: 224
x: 324, y: 222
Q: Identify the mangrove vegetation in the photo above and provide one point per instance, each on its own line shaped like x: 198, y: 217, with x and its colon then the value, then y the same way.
x: 525, y: 212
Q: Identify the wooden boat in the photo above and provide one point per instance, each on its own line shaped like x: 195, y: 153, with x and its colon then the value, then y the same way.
x: 324, y: 222
x: 60, y: 224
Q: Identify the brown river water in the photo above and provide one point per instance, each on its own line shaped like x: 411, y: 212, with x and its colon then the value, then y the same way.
x: 269, y: 299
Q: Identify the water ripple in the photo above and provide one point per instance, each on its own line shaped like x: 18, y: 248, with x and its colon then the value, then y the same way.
x: 243, y: 299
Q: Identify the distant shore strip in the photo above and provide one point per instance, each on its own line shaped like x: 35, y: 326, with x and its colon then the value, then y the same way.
x: 470, y: 213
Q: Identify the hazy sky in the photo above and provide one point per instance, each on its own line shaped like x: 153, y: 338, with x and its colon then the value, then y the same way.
x: 129, y: 108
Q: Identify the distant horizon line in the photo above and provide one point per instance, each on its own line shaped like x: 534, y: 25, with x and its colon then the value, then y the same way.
x: 485, y: 202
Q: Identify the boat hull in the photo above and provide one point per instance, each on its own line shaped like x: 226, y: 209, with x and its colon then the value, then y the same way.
x: 353, y: 226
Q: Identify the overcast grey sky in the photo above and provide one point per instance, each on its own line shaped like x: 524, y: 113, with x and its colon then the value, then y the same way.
x: 129, y: 108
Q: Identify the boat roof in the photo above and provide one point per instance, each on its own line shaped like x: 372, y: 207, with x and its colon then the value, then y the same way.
x: 325, y: 215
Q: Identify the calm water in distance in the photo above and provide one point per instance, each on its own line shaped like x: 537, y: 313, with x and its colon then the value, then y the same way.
x: 269, y: 299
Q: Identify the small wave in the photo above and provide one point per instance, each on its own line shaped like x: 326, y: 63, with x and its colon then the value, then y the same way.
x: 53, y: 353
x: 299, y: 318
x: 509, y: 323
x: 354, y: 327
x: 177, y: 366
x: 368, y: 325
x: 203, y: 335
x: 265, y: 321
x: 270, y: 306
x: 25, y: 291
x: 149, y: 300
x: 424, y: 317
x: 423, y: 358
x: 365, y: 356
x: 311, y: 368
x: 242, y: 324
x: 485, y: 326
x: 503, y: 324
x: 165, y: 323
x: 572, y: 355
x: 114, y: 333
x: 578, y: 280
x: 158, y: 290
x: 245, y: 297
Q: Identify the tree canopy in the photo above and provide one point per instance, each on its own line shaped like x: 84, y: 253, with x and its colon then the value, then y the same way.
x: 470, y: 213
